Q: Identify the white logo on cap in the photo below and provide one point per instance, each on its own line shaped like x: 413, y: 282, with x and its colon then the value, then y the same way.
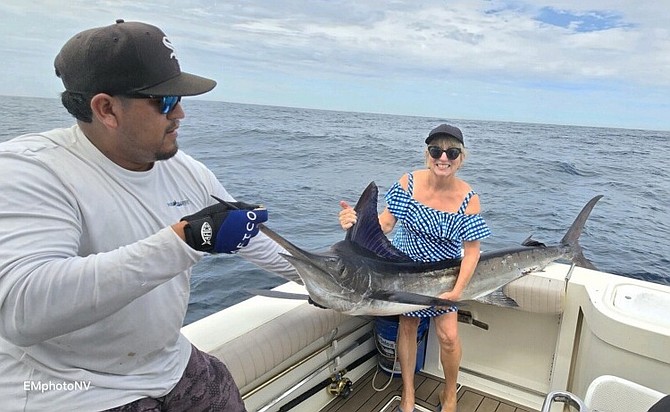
x: 169, y: 45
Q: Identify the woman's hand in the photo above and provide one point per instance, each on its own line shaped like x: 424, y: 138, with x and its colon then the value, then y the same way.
x: 347, y: 215
x: 451, y: 295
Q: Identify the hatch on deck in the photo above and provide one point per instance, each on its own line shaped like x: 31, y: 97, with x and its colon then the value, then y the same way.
x: 643, y: 303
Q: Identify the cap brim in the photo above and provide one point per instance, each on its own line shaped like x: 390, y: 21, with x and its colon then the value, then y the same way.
x: 185, y: 84
x: 442, y: 134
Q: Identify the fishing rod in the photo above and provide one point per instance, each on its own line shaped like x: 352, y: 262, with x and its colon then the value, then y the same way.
x: 337, y: 384
x: 358, y: 342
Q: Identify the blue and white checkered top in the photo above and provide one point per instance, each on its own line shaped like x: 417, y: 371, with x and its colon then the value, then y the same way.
x: 429, y: 235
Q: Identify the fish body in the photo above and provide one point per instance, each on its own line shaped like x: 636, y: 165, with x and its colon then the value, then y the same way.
x: 366, y: 275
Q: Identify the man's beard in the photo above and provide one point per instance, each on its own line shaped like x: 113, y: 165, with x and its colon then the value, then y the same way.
x: 167, y: 155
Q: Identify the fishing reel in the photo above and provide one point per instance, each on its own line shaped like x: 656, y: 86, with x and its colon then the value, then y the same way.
x: 340, y: 385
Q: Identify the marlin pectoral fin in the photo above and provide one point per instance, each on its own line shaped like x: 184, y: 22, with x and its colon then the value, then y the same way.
x: 498, y: 298
x: 412, y: 298
x: 277, y: 294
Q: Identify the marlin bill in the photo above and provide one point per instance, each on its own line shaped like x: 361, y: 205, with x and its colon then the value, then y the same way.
x: 364, y: 274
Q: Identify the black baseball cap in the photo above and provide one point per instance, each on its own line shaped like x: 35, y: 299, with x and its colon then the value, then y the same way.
x: 445, y: 130
x: 125, y: 58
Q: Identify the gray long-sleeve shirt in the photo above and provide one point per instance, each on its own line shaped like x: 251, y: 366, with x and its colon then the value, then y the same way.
x: 94, y: 284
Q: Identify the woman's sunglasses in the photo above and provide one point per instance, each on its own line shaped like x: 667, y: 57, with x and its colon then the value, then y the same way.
x: 167, y: 103
x: 436, y: 152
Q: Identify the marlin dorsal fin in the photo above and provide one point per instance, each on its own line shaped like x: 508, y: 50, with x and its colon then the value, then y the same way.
x: 367, y: 232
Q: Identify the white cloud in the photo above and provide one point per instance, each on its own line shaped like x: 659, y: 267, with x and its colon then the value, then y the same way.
x: 395, y: 50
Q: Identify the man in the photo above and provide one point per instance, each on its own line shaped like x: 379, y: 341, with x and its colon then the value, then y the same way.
x: 100, y: 225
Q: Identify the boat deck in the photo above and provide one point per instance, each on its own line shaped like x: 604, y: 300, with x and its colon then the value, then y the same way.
x: 364, y: 398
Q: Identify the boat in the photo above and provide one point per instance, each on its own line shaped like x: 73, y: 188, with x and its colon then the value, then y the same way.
x: 578, y: 337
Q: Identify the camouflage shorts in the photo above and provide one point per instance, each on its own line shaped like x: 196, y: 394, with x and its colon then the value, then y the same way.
x: 206, y: 385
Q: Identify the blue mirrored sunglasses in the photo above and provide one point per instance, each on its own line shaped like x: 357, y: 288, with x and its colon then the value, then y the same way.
x: 167, y: 103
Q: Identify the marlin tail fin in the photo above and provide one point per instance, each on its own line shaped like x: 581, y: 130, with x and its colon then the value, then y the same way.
x: 571, y: 237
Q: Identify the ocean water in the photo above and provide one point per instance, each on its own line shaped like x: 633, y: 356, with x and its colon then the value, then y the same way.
x: 532, y: 179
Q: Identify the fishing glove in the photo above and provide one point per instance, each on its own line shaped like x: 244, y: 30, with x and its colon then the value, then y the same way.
x: 224, y: 227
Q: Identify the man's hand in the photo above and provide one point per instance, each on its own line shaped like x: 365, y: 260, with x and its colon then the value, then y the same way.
x: 224, y: 227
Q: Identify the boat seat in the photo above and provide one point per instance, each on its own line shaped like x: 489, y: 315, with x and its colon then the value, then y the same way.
x: 611, y: 393
x: 537, y: 293
x: 608, y: 393
x: 256, y: 355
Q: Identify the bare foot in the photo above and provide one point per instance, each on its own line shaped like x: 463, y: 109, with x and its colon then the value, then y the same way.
x: 450, y: 404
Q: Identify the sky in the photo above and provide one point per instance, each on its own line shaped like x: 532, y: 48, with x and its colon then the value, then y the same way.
x: 577, y: 62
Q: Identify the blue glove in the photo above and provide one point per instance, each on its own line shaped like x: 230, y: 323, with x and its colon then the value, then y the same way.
x: 224, y: 227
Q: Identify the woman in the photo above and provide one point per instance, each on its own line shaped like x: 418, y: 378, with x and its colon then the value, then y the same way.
x: 439, y: 219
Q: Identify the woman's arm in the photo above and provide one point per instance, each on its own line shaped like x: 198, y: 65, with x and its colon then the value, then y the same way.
x: 468, y: 265
x: 471, y: 252
x: 387, y: 221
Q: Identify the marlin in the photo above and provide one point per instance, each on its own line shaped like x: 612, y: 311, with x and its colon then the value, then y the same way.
x: 364, y: 274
